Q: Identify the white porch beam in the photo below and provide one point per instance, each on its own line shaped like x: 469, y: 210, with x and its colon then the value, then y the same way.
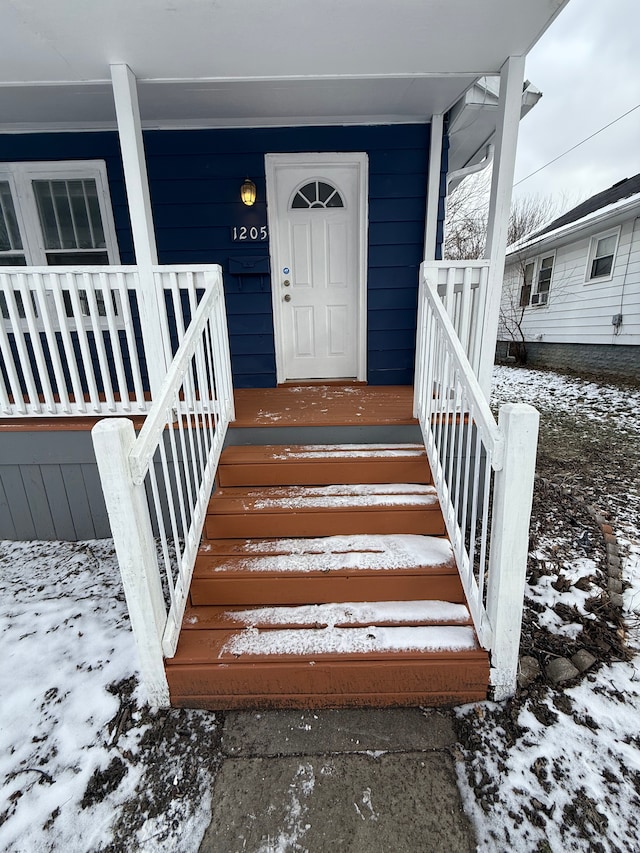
x: 125, y: 95
x: 433, y: 187
x: 506, y: 140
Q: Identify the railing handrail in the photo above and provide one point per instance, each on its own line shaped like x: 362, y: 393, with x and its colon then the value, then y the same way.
x: 484, y: 413
x: 483, y: 472
x: 153, y: 426
x: 161, y: 481
x: 78, y: 269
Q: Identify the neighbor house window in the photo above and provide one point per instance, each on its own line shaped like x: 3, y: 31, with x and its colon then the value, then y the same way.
x: 602, y: 253
x: 543, y: 284
x: 527, y: 284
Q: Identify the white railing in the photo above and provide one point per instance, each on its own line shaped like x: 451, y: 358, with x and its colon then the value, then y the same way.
x: 462, y: 286
x: 91, y: 340
x: 483, y: 472
x: 157, y: 486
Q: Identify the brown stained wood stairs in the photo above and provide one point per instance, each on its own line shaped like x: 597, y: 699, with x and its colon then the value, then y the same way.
x: 321, y: 583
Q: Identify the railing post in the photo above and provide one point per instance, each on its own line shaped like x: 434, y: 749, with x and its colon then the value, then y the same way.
x: 512, y: 498
x: 126, y: 503
x: 418, y: 373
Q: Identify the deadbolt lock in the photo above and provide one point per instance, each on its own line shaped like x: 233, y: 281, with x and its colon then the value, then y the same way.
x: 286, y: 282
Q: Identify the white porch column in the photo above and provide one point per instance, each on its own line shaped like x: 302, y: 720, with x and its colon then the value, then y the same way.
x: 508, y: 121
x: 429, y: 250
x: 433, y: 187
x: 125, y: 95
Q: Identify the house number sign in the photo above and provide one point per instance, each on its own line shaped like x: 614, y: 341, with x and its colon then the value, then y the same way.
x: 249, y: 233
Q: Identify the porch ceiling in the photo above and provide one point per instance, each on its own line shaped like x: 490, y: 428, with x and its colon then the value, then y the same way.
x: 236, y: 62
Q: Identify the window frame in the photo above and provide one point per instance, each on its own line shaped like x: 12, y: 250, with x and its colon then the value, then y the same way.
x: 530, y: 262
x: 21, y: 176
x: 536, y: 262
x: 592, y: 256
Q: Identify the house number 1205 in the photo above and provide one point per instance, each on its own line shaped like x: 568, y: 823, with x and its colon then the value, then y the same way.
x: 254, y: 233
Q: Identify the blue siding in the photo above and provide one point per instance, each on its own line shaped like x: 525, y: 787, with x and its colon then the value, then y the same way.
x: 195, y: 178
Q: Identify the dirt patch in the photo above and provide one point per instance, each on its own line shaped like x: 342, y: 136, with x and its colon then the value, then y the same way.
x: 587, y: 474
x: 179, y: 754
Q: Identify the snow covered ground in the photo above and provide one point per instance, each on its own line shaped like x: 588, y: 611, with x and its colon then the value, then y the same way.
x: 82, y: 760
x: 559, y: 769
x: 85, y: 765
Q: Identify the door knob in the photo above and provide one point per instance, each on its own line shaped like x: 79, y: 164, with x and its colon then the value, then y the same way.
x: 287, y: 297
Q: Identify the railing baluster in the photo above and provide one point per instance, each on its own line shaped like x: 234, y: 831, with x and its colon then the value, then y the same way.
x: 19, y: 404
x: 33, y: 403
x: 83, y: 340
x: 108, y: 292
x: 52, y: 343
x: 71, y: 358
x: 98, y: 339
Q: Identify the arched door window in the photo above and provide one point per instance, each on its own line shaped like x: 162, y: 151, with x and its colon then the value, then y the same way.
x: 317, y: 194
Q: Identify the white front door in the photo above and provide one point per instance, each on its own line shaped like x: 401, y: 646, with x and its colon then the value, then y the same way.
x: 317, y: 220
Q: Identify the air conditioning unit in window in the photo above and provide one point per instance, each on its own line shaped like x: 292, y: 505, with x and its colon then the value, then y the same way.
x: 540, y: 298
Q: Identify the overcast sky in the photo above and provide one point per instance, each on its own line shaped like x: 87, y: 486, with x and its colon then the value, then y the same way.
x: 588, y: 67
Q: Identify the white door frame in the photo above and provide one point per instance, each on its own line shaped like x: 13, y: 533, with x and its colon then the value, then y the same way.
x: 316, y: 161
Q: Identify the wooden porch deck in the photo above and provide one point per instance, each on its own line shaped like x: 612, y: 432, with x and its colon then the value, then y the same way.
x: 325, y: 405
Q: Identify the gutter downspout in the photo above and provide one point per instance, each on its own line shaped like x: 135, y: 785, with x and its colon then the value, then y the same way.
x: 460, y: 174
x: 472, y: 170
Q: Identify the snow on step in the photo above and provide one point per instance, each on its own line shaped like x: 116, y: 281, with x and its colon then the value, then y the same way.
x: 332, y: 553
x: 377, y: 494
x: 350, y: 451
x: 353, y: 612
x: 346, y: 641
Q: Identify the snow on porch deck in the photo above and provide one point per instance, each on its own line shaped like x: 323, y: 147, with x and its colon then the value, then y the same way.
x: 324, y: 405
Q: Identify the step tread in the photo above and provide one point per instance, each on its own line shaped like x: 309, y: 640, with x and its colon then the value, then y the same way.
x: 355, y: 614
x: 251, y: 646
x: 412, y: 553
x: 360, y: 497
x: 319, y: 453
x: 323, y: 464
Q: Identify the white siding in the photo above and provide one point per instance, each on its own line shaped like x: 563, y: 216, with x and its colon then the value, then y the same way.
x: 579, y: 311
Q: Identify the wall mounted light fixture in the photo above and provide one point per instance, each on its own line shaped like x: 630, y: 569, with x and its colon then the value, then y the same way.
x: 248, y: 192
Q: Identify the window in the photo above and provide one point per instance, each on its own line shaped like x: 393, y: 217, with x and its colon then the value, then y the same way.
x: 56, y: 214
x: 602, y: 252
x: 11, y: 249
x: 539, y: 272
x: 545, y: 271
x: 317, y: 194
x: 527, y: 284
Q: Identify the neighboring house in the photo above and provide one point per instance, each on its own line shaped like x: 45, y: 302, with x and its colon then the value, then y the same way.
x: 198, y: 197
x: 572, y: 290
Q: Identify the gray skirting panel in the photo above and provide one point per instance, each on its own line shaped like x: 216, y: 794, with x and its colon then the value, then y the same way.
x: 50, y: 489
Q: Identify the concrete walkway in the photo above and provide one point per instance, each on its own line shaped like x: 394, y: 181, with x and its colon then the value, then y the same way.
x: 356, y: 781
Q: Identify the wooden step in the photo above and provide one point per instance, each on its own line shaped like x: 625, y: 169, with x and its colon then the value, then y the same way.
x: 327, y: 667
x: 354, y: 614
x: 323, y: 511
x: 323, y: 464
x: 327, y: 569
